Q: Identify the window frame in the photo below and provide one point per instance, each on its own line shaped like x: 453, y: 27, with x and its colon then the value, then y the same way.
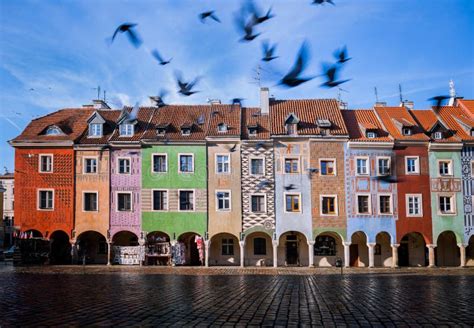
x: 297, y: 158
x: 194, y: 200
x: 378, y: 203
x: 227, y: 244
x: 179, y: 163
x: 217, y: 164
x: 91, y: 130
x: 452, y: 197
x: 38, y: 200
x: 336, y: 207
x: 153, y: 163
x: 84, y: 192
x: 263, y: 165
x: 264, y: 202
x: 374, y: 135
x: 40, y: 168
x: 406, y: 129
x: 264, y: 248
x: 117, y: 201
x: 126, y: 130
x: 377, y: 164
x: 129, y: 165
x: 327, y: 160
x: 407, y: 208
x: 84, y: 164
x: 153, y: 200
x: 417, y: 165
x: 369, y: 203
x: 367, y: 159
x: 450, y: 167
x: 436, y: 134
x: 217, y: 200
x: 300, y: 203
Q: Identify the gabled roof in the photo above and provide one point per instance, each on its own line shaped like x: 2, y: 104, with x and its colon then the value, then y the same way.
x: 292, y: 119
x: 467, y: 105
x: 390, y: 115
x: 458, y: 121
x: 110, y: 118
x: 143, y: 118
x: 226, y: 114
x: 357, y: 119
x: 252, y: 117
x: 428, y: 120
x: 308, y: 111
x: 96, y: 118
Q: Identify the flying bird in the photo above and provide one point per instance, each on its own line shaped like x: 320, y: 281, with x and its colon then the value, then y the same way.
x: 160, y: 59
x: 387, y: 178
x: 263, y: 184
x: 233, y: 148
x: 237, y: 101
x: 293, y: 78
x: 129, y: 29
x: 321, y: 2
x: 331, y: 73
x: 438, y: 101
x: 185, y: 88
x: 159, y: 98
x: 268, y: 51
x: 290, y: 187
x: 247, y: 27
x: 208, y: 14
x: 256, y: 13
x: 341, y: 55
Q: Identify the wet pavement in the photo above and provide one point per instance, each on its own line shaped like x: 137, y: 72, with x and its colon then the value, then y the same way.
x: 125, y: 296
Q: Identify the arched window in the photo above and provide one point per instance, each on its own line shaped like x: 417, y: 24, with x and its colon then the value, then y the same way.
x: 259, y: 246
x: 325, y: 246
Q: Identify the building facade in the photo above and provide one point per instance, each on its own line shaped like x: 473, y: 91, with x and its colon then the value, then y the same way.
x: 7, y: 182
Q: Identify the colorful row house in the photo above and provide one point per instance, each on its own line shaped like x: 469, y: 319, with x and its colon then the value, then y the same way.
x: 289, y: 183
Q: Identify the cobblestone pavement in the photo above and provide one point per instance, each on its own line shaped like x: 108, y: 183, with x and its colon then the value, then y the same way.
x: 127, y: 296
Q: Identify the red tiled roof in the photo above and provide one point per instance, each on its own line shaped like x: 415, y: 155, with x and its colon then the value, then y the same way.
x: 366, y: 118
x: 72, y: 121
x: 389, y: 116
x: 427, y: 119
x: 226, y: 114
x: 308, y: 111
x: 143, y: 120
x: 251, y: 116
x: 110, y: 117
x: 467, y: 105
x: 453, y: 116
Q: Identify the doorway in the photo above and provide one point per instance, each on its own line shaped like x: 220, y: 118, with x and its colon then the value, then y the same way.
x: 354, y: 255
x: 291, y: 252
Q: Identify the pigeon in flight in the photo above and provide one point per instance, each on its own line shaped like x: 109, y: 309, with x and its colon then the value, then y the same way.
x: 256, y: 13
x: 208, y: 14
x: 233, y: 148
x: 185, y: 88
x: 321, y: 2
x: 263, y: 184
x: 290, y: 187
x: 268, y: 51
x: 292, y: 78
x: 129, y: 29
x: 246, y: 27
x: 331, y: 73
x: 160, y: 59
x: 341, y: 55
x: 438, y: 101
x: 159, y: 99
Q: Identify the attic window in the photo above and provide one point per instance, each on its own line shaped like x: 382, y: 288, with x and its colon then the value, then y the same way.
x: 53, y: 131
x: 186, y: 130
x: 95, y: 130
x: 371, y: 134
x: 253, y: 129
x: 222, y: 127
x: 126, y: 130
x: 438, y: 135
x: 406, y: 131
x: 324, y: 123
x: 161, y: 129
x: 472, y: 132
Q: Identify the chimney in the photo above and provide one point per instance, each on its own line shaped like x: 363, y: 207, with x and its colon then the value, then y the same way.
x: 381, y: 104
x: 264, y: 101
x: 214, y: 101
x: 100, y: 104
x: 408, y: 104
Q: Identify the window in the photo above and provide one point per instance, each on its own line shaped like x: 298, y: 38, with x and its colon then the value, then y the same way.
x: 222, y: 127
x: 328, y: 205
x: 325, y: 246
x: 160, y: 164
x: 160, y: 200
x: 95, y: 130
x: 412, y: 165
x: 385, y: 204
x: 406, y: 131
x: 46, y: 163
x: 253, y: 130
x: 291, y: 165
x: 45, y: 199
x: 362, y: 166
x: 438, y: 135
x: 363, y: 204
x: 472, y: 133
x: 446, y: 204
x: 227, y: 246
x: 223, y: 200
x: 292, y: 202
x: 256, y: 166
x: 186, y: 200
x: 222, y: 163
x: 292, y: 128
x: 258, y: 203
x: 413, y: 205
x: 90, y: 165
x: 328, y: 167
x: 371, y: 134
x: 383, y: 166
x: 53, y: 131
x: 126, y: 130
x: 259, y: 246
x: 124, y: 165
x: 445, y: 168
x: 186, y: 163
x: 185, y: 131
x: 90, y: 201
x: 124, y: 202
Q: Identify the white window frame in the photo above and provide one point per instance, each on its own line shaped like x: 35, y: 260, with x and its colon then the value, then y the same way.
x: 292, y: 157
x: 417, y: 166
x: 84, y: 192
x: 250, y: 165
x: 84, y: 164
x: 217, y: 201
x: 153, y: 162
x: 453, y: 204
x: 368, y: 166
x: 194, y: 200
x: 408, y: 129
x: 179, y: 163
x: 438, y: 134
x: 91, y: 130
x: 167, y: 200
x: 372, y: 134
x: 38, y: 199
x: 117, y: 203
x: 389, y: 165
x: 225, y: 127
x: 216, y: 164
x: 264, y: 203
x: 336, y: 203
x: 369, y: 204
x: 130, y: 165
x: 300, y: 210
x: 407, y: 208
x: 39, y: 163
x: 335, y: 167
x: 378, y: 203
x: 450, y: 167
x: 126, y: 130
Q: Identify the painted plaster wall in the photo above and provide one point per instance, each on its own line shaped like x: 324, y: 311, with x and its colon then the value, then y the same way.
x: 451, y: 185
x: 467, y: 157
x: 252, y: 259
x: 373, y: 223
x: 173, y: 222
x: 125, y: 221
x: 93, y: 182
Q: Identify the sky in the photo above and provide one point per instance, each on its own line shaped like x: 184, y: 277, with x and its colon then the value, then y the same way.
x: 54, y: 53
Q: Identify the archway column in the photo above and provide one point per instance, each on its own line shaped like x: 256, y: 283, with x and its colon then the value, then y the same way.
x: 109, y: 251
x: 371, y: 254
x: 347, y: 254
x: 207, y: 245
x: 311, y: 253
x: 73, y: 251
x: 275, y: 253
x: 242, y: 251
x: 431, y: 255
x: 395, y: 255
x: 462, y: 249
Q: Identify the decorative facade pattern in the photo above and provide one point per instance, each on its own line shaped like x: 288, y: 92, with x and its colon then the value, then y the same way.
x: 467, y: 158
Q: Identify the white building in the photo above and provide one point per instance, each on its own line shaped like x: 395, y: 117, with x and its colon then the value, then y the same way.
x: 7, y: 181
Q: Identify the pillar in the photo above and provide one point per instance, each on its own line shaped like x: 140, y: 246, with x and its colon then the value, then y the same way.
x: 347, y: 254
x: 431, y: 255
x: 73, y: 252
x: 141, y: 254
x: 371, y: 254
x: 462, y: 249
x: 311, y: 253
x: 109, y: 251
x: 275, y: 253
x: 207, y: 244
x: 395, y: 255
x: 242, y: 251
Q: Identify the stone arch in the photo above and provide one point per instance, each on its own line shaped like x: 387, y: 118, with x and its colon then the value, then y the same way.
x: 60, y: 248
x: 447, y: 251
x: 293, y: 249
x: 193, y: 254
x: 412, y: 250
x: 157, y: 248
x: 224, y: 249
x: 328, y: 247
x: 92, y: 248
x: 36, y: 233
x: 125, y: 238
x: 258, y: 249
x: 359, y: 251
x: 383, y: 249
x: 258, y: 228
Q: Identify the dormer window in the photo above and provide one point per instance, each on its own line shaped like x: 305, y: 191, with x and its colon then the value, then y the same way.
x: 291, y: 124
x: 253, y: 129
x: 126, y: 130
x: 438, y: 135
x: 472, y: 132
x: 95, y: 130
x: 371, y: 134
x: 323, y: 123
x: 186, y: 130
x: 222, y: 127
x: 53, y: 131
x: 161, y: 129
x: 406, y: 131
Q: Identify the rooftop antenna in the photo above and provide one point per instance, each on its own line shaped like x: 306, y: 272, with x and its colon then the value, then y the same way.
x: 98, y: 91
x: 339, y: 94
x: 258, y: 76
x: 105, y: 92
x: 376, y: 95
x: 400, y: 90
